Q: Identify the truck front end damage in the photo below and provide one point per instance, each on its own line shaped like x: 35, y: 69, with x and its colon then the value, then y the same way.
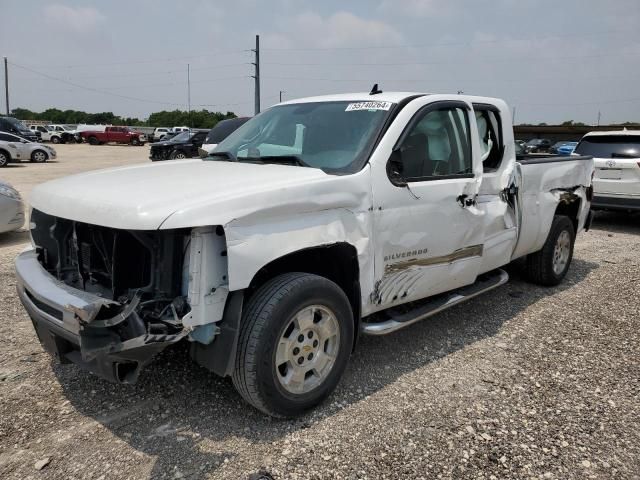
x: 109, y: 300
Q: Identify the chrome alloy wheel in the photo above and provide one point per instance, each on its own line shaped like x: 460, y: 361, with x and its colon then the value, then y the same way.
x: 307, y: 349
x: 561, y: 252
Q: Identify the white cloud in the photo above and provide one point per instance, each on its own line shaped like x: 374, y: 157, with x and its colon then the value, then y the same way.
x: 80, y: 19
x: 342, y: 29
x: 420, y: 8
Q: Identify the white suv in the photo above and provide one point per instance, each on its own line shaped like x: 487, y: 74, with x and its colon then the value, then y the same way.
x: 616, y: 181
x: 47, y: 134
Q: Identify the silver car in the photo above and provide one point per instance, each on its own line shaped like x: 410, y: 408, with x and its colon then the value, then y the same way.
x: 11, y: 208
x: 16, y: 149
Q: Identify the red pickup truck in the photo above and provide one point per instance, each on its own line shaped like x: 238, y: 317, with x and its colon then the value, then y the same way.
x: 114, y: 134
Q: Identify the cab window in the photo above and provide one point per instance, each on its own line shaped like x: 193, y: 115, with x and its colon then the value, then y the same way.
x: 490, y: 134
x: 437, y: 146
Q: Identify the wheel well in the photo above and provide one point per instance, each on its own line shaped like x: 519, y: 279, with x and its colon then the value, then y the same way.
x: 569, y: 206
x: 338, y: 262
x: 6, y: 153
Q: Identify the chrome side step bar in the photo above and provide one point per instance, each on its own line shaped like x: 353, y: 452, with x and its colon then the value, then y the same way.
x: 398, y: 319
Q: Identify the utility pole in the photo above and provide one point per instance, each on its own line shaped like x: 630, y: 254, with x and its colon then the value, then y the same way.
x: 513, y: 117
x: 189, y: 93
x: 599, y: 115
x: 256, y: 77
x: 6, y: 84
x: 281, y: 92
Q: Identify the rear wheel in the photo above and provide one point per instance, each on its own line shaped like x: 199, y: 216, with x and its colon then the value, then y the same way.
x: 55, y: 140
x: 4, y: 159
x: 294, y: 345
x: 549, y: 265
x: 93, y: 140
x: 39, y: 156
x: 135, y: 142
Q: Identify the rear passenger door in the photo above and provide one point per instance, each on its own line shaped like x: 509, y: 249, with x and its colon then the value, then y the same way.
x: 428, y: 230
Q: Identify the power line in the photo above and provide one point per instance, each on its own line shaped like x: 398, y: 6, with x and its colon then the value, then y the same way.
x: 126, y: 97
x: 449, y: 62
x: 141, y: 62
x: 452, y: 44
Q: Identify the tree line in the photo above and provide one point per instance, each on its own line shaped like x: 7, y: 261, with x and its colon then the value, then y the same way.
x: 195, y: 118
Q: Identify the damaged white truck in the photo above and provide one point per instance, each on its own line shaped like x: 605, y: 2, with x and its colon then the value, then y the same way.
x: 318, y: 220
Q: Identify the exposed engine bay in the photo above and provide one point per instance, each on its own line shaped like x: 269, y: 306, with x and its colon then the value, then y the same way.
x: 137, y: 277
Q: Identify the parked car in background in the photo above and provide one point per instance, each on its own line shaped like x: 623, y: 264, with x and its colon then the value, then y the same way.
x: 114, y: 135
x: 567, y: 148
x: 538, y: 145
x: 11, y: 208
x: 219, y: 132
x: 20, y: 149
x: 16, y: 127
x: 520, y: 149
x: 522, y: 143
x: 183, y: 145
x: 179, y: 129
x: 554, y: 148
x: 46, y: 134
x: 616, y: 182
x: 67, y: 132
x: 158, y: 134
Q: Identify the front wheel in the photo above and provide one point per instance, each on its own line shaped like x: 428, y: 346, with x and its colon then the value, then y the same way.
x: 4, y: 159
x: 549, y: 265
x: 39, y: 156
x: 93, y: 141
x: 55, y: 140
x: 295, y: 341
x: 178, y: 155
x: 135, y: 142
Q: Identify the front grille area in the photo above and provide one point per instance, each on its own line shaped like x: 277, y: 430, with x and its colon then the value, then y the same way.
x: 110, y: 262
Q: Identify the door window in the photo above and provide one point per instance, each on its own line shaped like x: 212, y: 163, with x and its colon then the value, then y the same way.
x: 491, y: 142
x: 438, y: 146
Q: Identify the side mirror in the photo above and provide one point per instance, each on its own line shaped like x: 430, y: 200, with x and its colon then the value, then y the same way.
x: 395, y: 167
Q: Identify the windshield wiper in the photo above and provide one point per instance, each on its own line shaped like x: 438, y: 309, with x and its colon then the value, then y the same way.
x: 228, y: 155
x: 290, y: 159
x: 625, y: 155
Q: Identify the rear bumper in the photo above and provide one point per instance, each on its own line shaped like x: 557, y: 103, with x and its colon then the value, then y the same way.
x: 71, y: 325
x: 602, y: 202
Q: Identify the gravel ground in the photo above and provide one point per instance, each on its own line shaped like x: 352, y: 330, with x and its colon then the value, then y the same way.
x: 524, y: 382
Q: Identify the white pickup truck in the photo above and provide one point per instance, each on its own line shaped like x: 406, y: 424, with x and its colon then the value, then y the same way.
x: 318, y: 220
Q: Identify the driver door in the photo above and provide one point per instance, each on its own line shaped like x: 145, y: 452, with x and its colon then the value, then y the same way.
x: 429, y: 233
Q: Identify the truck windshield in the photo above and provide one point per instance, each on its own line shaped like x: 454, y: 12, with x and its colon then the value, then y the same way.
x: 610, y: 146
x: 332, y: 136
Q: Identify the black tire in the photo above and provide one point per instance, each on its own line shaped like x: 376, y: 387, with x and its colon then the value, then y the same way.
x: 39, y: 156
x: 4, y: 158
x: 93, y: 141
x: 540, y: 265
x: 268, y: 313
x: 55, y: 140
x: 177, y: 155
x: 135, y: 142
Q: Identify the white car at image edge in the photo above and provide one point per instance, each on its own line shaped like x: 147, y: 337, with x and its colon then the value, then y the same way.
x: 16, y: 149
x: 11, y: 208
x: 616, y: 181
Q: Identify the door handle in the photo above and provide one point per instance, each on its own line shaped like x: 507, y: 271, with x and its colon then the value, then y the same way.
x: 466, y: 201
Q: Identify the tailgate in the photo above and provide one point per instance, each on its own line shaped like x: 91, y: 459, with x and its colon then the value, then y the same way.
x: 617, y: 175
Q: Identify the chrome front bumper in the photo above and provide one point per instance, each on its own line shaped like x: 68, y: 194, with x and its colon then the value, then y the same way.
x: 71, y: 325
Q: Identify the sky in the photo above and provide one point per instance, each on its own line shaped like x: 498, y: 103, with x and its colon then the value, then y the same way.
x: 552, y: 60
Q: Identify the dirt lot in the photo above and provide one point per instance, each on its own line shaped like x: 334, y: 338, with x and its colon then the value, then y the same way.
x: 525, y: 382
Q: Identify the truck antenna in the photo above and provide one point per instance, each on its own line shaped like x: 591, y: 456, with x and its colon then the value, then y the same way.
x: 375, y: 90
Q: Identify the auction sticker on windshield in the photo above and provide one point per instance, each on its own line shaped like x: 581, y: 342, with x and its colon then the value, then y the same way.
x: 368, y: 106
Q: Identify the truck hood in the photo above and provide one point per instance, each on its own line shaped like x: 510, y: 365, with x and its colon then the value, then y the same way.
x: 180, y: 194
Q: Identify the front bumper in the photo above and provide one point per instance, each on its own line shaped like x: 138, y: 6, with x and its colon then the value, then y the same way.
x: 602, y: 202
x: 71, y: 325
